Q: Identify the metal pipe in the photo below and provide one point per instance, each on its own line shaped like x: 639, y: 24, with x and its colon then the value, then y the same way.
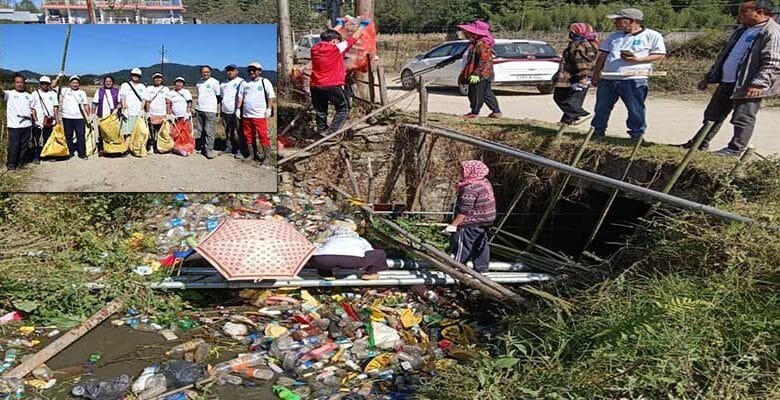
x: 392, y: 264
x: 554, y: 201
x: 517, y: 278
x: 586, y: 175
x: 611, y: 200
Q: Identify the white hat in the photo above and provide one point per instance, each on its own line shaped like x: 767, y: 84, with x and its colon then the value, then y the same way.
x: 136, y: 71
x: 76, y: 77
x: 156, y: 74
x: 255, y: 65
x: 178, y: 78
x: 44, y: 79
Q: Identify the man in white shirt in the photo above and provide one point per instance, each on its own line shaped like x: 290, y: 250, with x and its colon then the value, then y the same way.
x: 75, y: 107
x: 46, y: 107
x: 158, y: 107
x: 19, y: 116
x: 132, y: 95
x: 627, y: 56
x: 256, y: 104
x: 209, y: 94
x: 746, y: 70
x: 230, y: 112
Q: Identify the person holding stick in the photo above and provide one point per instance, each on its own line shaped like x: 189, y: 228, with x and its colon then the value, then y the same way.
x: 328, y: 75
x: 75, y: 108
x: 46, y: 107
x: 20, y: 117
x: 628, y: 56
x: 158, y: 107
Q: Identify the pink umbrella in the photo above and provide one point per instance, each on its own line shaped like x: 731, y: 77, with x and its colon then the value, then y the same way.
x: 243, y: 249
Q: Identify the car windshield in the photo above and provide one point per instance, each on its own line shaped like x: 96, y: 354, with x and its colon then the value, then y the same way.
x: 524, y: 50
x: 314, y: 40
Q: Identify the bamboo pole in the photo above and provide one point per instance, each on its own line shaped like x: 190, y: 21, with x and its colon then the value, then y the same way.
x: 350, y: 173
x: 423, y: 102
x: 611, y: 200
x: 346, y: 128
x: 64, y: 341
x: 382, y: 84
x: 371, y: 93
x: 746, y: 156
x: 554, y: 201
x: 370, y: 194
x: 697, y: 140
x: 65, y: 50
x: 424, y: 174
x: 505, y: 217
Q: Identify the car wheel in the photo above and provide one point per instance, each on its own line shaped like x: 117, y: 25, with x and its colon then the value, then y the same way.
x: 408, y: 80
x: 546, y: 88
x: 463, y: 89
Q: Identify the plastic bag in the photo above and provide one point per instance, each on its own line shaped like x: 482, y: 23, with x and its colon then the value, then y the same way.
x: 139, y: 137
x: 56, y: 145
x: 164, y: 139
x: 356, y: 57
x: 184, y: 142
x: 113, y: 142
x: 182, y: 373
x: 91, y: 136
x: 96, y: 389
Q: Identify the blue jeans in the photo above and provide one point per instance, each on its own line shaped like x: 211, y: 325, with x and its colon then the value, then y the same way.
x: 633, y: 92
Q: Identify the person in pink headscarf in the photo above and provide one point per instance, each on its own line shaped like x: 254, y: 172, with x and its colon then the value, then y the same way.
x: 477, y: 69
x: 475, y: 212
x: 576, y: 69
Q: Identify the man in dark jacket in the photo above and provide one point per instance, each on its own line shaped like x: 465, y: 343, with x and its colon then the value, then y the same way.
x: 746, y: 70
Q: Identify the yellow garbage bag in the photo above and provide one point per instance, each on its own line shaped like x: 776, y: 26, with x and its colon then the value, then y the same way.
x: 139, y: 137
x: 164, y: 139
x: 91, y: 136
x: 56, y: 146
x: 379, y: 362
x: 113, y: 142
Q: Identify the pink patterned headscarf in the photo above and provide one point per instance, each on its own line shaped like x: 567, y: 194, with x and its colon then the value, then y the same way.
x: 473, y: 171
x: 581, y: 31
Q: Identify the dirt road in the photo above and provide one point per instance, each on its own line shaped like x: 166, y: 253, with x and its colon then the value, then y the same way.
x: 155, y: 173
x: 669, y: 121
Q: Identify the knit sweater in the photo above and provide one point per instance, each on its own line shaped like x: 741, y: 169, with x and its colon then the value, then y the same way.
x: 477, y: 203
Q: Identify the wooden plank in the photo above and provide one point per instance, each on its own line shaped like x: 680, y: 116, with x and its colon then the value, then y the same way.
x: 382, y: 84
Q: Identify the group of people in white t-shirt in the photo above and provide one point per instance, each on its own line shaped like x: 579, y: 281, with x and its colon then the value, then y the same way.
x: 244, y: 106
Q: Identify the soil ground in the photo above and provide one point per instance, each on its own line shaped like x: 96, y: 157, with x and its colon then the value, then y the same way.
x: 670, y: 121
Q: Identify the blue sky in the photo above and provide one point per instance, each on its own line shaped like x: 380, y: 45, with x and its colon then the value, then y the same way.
x: 105, y: 48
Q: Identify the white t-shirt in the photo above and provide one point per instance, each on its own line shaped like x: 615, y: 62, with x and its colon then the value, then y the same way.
x: 642, y: 44
x: 18, y: 104
x: 108, y: 102
x: 157, y: 96
x: 179, y: 101
x: 230, y: 94
x: 344, y: 246
x: 254, y: 93
x: 737, y: 53
x: 49, y: 100
x: 72, y: 100
x: 208, y: 91
x: 134, y: 105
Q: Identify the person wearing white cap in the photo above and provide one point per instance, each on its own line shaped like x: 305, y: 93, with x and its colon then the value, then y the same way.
x: 132, y: 95
x: 75, y: 108
x: 256, y: 102
x: 626, y: 54
x: 46, y: 107
x: 180, y: 99
x: 20, y: 116
x: 230, y: 112
x: 209, y: 94
x: 158, y: 107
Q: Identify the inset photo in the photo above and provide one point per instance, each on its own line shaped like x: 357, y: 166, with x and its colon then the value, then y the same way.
x: 138, y: 108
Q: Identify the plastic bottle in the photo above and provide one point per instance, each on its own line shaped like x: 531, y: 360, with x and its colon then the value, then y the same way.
x: 285, y: 394
x: 43, y: 373
x: 185, y: 347
x: 320, y: 352
x: 238, y: 363
x: 9, y: 360
x: 283, y: 344
x: 257, y: 373
x: 201, y: 353
x: 141, y: 383
x: 231, y: 379
x: 155, y: 386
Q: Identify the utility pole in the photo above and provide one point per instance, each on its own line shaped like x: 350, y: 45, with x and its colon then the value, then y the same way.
x: 364, y: 8
x: 91, y: 11
x: 162, y: 60
x: 285, y: 38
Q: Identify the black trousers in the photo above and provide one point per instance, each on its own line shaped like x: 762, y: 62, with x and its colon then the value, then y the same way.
x: 151, y: 143
x: 39, y: 137
x: 18, y: 146
x: 321, y: 98
x: 234, y: 140
x: 570, y: 102
x: 743, y: 116
x: 470, y: 244
x: 372, y: 262
x: 481, y: 93
x: 77, y: 127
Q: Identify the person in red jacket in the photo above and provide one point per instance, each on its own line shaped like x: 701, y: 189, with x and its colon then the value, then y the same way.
x: 328, y: 74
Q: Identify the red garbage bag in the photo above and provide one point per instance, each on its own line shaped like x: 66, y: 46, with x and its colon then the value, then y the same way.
x: 184, y: 142
x: 357, y: 56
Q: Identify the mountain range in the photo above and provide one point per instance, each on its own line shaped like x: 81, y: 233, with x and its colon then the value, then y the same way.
x: 191, y: 74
